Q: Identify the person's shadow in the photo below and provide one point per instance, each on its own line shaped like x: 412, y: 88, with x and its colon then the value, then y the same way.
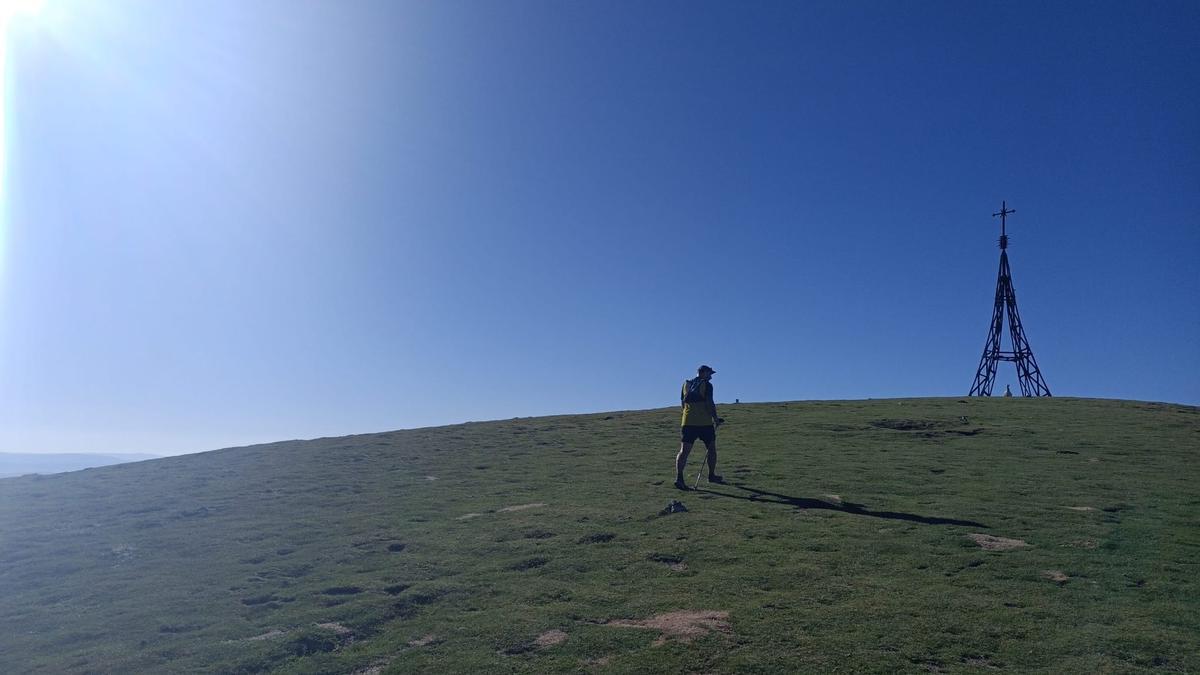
x: 767, y: 497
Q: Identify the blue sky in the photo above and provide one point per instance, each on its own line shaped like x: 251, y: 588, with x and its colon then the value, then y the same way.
x: 237, y: 222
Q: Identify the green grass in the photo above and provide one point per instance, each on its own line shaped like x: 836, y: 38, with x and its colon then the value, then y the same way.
x: 173, y: 565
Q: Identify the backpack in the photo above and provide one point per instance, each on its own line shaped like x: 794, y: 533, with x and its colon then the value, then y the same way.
x: 695, y: 391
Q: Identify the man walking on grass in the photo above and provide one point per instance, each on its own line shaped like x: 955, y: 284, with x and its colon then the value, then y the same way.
x: 700, y: 421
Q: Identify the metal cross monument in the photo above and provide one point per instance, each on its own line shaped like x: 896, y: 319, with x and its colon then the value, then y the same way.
x: 1030, y: 376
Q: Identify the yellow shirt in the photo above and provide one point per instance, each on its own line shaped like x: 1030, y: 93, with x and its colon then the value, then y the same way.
x: 699, y: 414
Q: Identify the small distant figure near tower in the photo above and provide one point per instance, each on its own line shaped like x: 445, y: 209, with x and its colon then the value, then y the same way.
x: 1007, y: 391
x: 1029, y: 376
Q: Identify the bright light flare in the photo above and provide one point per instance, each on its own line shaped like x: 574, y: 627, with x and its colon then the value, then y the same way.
x: 11, y: 11
x: 11, y: 8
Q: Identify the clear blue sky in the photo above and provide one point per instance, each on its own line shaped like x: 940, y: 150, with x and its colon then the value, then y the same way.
x: 243, y: 221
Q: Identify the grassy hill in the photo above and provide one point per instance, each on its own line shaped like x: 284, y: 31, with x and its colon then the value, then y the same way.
x: 922, y: 535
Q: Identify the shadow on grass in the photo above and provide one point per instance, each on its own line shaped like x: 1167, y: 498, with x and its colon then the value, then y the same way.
x: 766, y: 497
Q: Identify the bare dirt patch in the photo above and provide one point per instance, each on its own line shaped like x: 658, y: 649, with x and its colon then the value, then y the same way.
x: 833, y: 498
x: 978, y: 661
x: 468, y: 516
x: 682, y: 626
x: 989, y: 543
x: 335, y: 627
x: 521, y: 507
x: 1084, y: 543
x: 550, y: 638
x: 1080, y: 508
x: 424, y: 641
x: 269, y: 635
x: 1056, y: 576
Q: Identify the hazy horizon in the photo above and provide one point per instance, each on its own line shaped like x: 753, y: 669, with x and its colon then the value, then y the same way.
x: 141, y: 456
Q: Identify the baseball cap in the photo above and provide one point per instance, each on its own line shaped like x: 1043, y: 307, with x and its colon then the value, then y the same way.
x: 704, y: 369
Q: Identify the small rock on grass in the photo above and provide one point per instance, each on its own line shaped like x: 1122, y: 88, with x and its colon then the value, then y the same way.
x: 675, y: 506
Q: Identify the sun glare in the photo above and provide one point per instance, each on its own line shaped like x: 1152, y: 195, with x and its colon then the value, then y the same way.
x: 11, y: 11
x: 10, y: 8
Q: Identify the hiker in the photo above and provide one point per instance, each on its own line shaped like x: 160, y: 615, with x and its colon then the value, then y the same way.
x: 699, y: 421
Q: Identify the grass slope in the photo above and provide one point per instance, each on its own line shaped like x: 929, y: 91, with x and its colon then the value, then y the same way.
x: 840, y: 544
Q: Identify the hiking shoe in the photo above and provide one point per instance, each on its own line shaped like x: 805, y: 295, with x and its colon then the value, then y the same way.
x: 681, y: 485
x: 714, y: 478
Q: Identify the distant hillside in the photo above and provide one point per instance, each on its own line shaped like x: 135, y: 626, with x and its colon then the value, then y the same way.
x: 929, y: 535
x: 20, y: 464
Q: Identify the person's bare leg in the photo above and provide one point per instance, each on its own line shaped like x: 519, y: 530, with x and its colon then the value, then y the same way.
x: 681, y: 461
x: 712, y: 459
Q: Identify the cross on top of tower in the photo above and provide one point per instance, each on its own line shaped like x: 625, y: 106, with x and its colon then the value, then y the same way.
x: 1003, y: 213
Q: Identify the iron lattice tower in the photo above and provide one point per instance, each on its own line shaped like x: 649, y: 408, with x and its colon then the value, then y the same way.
x: 1030, y: 376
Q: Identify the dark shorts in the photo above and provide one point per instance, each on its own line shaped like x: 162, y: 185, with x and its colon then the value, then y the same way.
x: 690, y: 434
